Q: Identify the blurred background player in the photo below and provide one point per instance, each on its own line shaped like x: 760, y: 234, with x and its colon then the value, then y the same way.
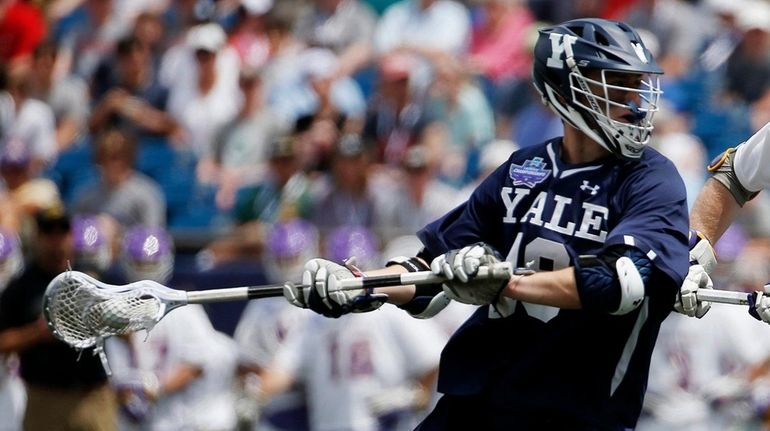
x: 93, y: 237
x: 373, y: 372
x: 168, y: 381
x: 266, y: 323
x: 12, y: 395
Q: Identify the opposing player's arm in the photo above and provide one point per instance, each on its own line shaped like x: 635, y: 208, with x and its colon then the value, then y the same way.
x: 722, y: 196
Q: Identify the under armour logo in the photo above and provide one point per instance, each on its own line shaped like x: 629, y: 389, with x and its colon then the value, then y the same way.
x: 592, y: 190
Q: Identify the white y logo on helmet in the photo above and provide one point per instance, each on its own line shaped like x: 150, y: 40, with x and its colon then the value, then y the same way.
x: 557, y: 48
x: 639, y: 50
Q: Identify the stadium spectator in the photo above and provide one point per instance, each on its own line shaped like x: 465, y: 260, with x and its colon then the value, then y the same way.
x: 467, y: 116
x: 397, y: 117
x: 89, y: 32
x: 282, y: 194
x: 128, y: 96
x: 425, y: 27
x: 344, y: 26
x: 66, y: 94
x: 414, y: 197
x: 22, y: 28
x: 25, y: 118
x: 680, y: 27
x: 206, y: 103
x: 24, y: 193
x: 242, y: 146
x: 64, y: 385
x: 499, y: 54
x: 248, y: 37
x: 345, y: 196
x: 125, y: 194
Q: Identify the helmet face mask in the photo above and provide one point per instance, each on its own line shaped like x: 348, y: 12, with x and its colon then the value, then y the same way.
x: 622, y: 110
x: 598, y: 76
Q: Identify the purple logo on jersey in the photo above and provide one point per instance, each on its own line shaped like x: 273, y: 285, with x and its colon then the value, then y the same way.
x: 529, y: 173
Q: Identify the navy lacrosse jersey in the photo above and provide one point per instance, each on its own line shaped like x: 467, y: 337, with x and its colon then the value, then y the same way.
x: 585, y: 367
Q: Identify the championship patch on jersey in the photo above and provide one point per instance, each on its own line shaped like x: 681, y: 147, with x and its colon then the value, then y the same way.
x: 529, y: 173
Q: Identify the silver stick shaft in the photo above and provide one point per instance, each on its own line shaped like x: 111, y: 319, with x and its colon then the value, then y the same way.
x: 723, y: 296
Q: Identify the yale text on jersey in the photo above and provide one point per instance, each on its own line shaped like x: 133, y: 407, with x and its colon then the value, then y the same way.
x: 592, y: 216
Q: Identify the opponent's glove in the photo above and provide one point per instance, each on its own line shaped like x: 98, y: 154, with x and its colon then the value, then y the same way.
x: 399, y: 398
x: 325, y: 296
x: 687, y: 302
x: 759, y: 304
x: 702, y: 262
x: 460, y: 267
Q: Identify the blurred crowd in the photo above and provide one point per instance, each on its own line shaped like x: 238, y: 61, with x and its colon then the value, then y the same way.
x: 266, y: 132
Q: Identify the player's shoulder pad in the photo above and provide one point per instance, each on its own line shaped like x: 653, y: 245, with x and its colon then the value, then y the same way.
x: 722, y: 169
x: 720, y: 160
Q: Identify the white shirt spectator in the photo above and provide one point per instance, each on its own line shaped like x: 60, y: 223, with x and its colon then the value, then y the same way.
x: 33, y: 122
x: 444, y: 25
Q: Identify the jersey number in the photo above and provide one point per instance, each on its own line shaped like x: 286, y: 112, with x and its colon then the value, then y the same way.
x: 540, y: 254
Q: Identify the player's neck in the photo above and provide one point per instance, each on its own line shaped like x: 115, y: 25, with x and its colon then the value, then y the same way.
x: 578, y: 148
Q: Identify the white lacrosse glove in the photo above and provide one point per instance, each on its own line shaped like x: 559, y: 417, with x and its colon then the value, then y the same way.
x: 396, y: 399
x: 759, y: 304
x: 325, y: 295
x: 687, y: 302
x: 702, y: 262
x: 460, y: 267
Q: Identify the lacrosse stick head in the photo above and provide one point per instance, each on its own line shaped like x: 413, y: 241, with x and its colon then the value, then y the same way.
x: 148, y: 254
x: 353, y: 241
x: 82, y: 311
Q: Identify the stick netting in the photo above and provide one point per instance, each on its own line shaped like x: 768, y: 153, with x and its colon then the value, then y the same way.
x: 81, y: 313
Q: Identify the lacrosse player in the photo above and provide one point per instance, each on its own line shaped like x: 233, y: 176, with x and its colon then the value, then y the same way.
x: 12, y: 396
x: 267, y: 323
x: 597, y: 221
x: 166, y: 381
x: 361, y: 373
x: 738, y: 175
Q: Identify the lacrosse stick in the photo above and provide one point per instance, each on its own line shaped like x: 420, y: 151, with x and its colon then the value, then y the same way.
x: 83, y: 311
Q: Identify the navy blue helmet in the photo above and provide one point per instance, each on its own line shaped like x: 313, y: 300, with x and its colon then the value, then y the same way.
x: 598, y: 76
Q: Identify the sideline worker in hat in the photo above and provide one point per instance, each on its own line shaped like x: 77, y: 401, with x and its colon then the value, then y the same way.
x: 66, y: 389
